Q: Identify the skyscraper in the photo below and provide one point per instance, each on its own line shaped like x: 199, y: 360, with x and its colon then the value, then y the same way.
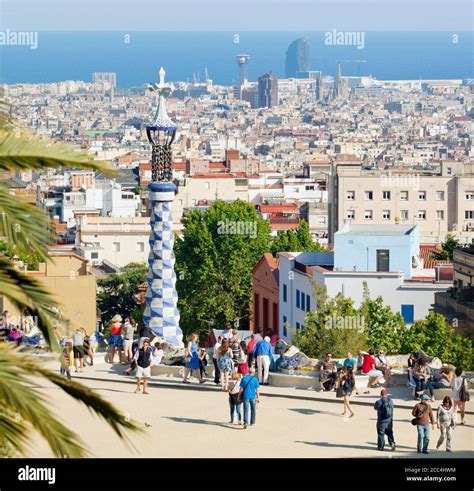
x: 267, y: 90
x: 297, y: 57
x: 242, y: 67
x: 109, y: 77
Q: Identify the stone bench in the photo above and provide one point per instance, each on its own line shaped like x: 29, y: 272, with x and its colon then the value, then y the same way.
x: 168, y: 370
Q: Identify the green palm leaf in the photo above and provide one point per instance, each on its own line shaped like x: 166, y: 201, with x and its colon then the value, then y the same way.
x: 21, y: 154
x: 23, y: 224
x: 18, y: 395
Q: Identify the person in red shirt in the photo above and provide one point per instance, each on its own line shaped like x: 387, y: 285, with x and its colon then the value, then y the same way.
x: 369, y: 368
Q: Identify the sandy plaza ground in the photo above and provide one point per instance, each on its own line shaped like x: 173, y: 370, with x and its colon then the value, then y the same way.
x: 181, y: 422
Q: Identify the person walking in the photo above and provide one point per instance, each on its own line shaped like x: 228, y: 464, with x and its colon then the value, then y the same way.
x: 129, y: 333
x: 234, y: 343
x: 384, y: 407
x: 225, y: 363
x: 235, y: 399
x: 215, y: 356
x: 88, y: 348
x: 345, y: 388
x: 143, y: 357
x: 191, y: 354
x: 445, y: 422
x: 203, y: 359
x: 460, y: 392
x: 115, y: 338
x: 263, y: 352
x: 242, y: 365
x: 66, y: 361
x: 423, y: 415
x: 78, y: 349
x: 249, y: 387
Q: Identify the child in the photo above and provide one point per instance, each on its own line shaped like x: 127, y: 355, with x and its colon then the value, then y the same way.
x: 242, y: 367
x: 66, y: 361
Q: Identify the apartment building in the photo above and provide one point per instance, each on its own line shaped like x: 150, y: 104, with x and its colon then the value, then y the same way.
x: 119, y: 241
x: 439, y: 203
x: 385, y: 258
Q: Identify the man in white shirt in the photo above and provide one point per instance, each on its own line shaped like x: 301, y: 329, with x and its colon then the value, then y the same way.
x: 215, y: 359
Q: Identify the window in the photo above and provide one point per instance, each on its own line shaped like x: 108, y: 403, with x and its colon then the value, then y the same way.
x: 386, y: 215
x: 439, y: 214
x: 421, y: 195
x: 449, y: 171
x: 350, y: 195
x: 321, y: 220
x: 285, y: 321
x: 369, y: 195
x: 421, y: 214
x: 308, y: 303
x: 404, y: 214
x: 350, y: 214
x: 309, y: 188
x: 470, y: 195
x: 368, y: 215
x: 140, y: 247
x: 285, y: 293
x: 303, y: 301
x: 403, y: 195
x: 439, y: 195
x: 408, y: 313
x: 207, y: 185
x: 297, y: 299
x: 386, y: 195
x: 94, y: 255
x: 383, y: 260
x: 116, y: 246
x: 298, y: 325
x: 469, y: 214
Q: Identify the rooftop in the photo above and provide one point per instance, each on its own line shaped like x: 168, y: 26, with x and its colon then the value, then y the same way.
x: 377, y: 230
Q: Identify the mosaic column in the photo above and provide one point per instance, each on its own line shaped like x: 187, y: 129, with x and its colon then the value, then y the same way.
x: 161, y: 311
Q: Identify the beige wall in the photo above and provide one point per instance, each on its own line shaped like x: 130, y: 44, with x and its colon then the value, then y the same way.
x: 72, y: 287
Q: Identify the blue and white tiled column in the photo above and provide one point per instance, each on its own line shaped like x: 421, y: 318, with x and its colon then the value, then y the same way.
x: 161, y: 311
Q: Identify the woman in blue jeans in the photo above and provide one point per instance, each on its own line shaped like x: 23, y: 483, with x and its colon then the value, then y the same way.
x: 233, y: 395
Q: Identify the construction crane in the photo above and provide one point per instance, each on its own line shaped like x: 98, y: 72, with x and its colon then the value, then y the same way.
x: 353, y: 61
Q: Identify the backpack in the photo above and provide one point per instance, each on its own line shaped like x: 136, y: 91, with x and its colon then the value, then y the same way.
x: 463, y: 393
x: 386, y: 409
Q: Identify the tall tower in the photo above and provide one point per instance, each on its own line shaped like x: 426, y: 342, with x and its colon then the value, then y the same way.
x: 242, y: 66
x: 267, y: 90
x: 161, y: 312
x: 297, y: 57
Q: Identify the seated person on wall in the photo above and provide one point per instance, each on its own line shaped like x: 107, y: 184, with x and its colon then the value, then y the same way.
x: 441, y: 380
x: 369, y: 368
x: 383, y: 365
x: 327, y: 372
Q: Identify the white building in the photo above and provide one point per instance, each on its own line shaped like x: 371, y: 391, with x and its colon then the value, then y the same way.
x: 120, y: 241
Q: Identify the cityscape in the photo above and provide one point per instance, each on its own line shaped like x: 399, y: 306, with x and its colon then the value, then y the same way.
x: 289, y: 242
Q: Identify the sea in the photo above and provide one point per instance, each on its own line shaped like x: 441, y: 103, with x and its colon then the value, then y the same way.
x: 186, y: 56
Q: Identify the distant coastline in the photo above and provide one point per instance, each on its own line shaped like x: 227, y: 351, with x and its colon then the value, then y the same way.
x: 135, y: 56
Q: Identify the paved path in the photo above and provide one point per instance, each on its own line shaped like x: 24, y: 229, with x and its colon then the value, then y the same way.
x: 194, y: 423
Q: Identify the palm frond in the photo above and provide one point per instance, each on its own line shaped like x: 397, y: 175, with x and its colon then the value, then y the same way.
x: 23, y: 224
x: 20, y: 154
x: 18, y: 395
x: 13, y: 437
x: 27, y: 294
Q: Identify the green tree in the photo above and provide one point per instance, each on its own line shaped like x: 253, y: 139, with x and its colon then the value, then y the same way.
x: 299, y: 240
x: 118, y: 292
x: 31, y: 259
x: 447, y: 248
x: 382, y: 325
x: 334, y: 326
x: 25, y: 228
x: 436, y: 338
x: 214, y: 262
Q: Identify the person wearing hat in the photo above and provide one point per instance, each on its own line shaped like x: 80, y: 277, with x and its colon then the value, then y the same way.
x: 423, y: 415
x: 384, y: 407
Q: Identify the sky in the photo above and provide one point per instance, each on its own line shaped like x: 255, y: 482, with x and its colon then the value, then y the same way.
x: 237, y: 15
